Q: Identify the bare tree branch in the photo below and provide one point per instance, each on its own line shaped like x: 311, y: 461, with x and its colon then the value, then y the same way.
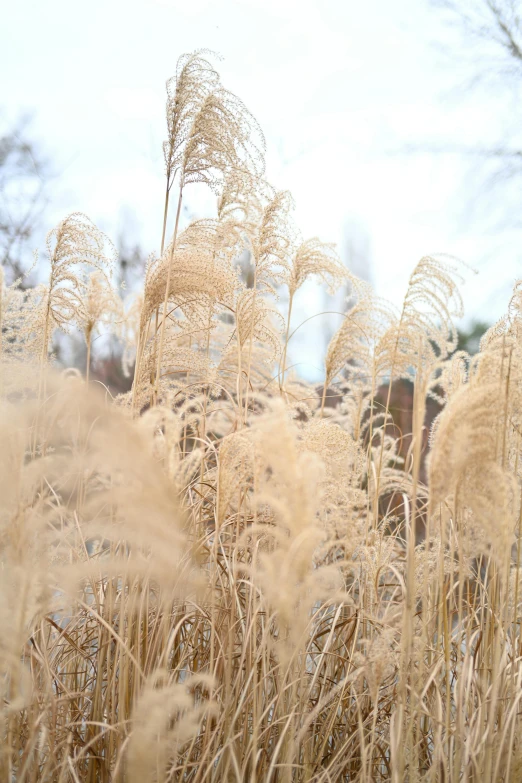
x: 23, y: 180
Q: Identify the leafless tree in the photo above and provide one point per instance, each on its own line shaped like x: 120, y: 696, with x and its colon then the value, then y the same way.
x: 489, y: 50
x: 495, y: 26
x: 23, y: 178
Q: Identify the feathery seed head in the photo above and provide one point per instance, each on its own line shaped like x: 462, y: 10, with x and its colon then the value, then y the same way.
x: 314, y: 257
x: 74, y: 247
x: 195, y: 78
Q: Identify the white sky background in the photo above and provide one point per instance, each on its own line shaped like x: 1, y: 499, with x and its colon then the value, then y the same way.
x: 338, y: 86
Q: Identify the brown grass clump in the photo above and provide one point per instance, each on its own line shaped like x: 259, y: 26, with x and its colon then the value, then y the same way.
x: 218, y: 577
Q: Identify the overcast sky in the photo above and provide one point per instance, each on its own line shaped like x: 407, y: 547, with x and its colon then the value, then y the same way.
x: 339, y: 87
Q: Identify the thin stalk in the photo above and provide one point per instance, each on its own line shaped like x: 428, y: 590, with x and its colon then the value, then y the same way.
x: 88, y: 359
x: 283, y: 361
x: 43, y: 360
x: 203, y: 425
x: 369, y: 453
x: 45, y: 345
x: 516, y: 619
x: 238, y: 381
x: 1, y: 307
x: 154, y: 348
x: 1, y: 320
x: 165, y: 214
x: 136, y: 369
x: 163, y: 233
x: 254, y: 288
x: 325, y: 386
x: 138, y: 347
x: 408, y: 675
x: 165, y: 300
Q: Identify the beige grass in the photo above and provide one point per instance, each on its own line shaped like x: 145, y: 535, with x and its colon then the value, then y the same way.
x: 218, y: 577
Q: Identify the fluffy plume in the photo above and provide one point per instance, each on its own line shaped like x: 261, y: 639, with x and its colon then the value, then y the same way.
x: 358, y: 346
x: 23, y: 322
x: 224, y: 139
x: 167, y: 716
x: 476, y: 442
x: 255, y: 320
x: 100, y: 305
x: 195, y: 78
x: 314, y: 257
x: 212, y: 137
x: 201, y: 273
x: 425, y: 333
x: 211, y: 134
x: 287, y: 494
x: 74, y: 247
x: 272, y: 242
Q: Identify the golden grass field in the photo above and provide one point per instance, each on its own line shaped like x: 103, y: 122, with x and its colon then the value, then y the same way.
x: 220, y: 576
